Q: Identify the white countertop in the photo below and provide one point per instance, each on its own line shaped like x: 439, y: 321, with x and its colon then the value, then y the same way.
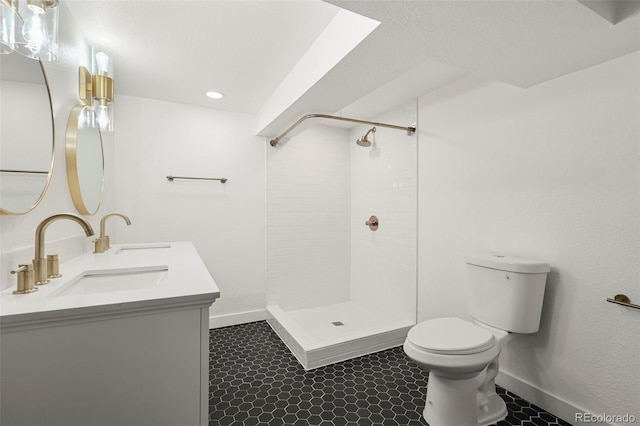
x: 187, y: 283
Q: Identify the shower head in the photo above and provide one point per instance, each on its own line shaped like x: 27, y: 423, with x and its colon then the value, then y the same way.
x: 363, y: 141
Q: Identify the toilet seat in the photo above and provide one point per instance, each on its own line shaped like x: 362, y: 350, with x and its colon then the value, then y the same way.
x: 450, y: 336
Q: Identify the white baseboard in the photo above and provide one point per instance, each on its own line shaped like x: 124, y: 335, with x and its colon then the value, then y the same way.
x: 237, y: 318
x: 555, y: 405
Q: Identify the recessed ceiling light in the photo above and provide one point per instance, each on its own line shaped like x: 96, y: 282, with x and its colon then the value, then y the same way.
x: 215, y: 95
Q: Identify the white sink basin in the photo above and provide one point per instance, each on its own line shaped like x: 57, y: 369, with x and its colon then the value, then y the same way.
x: 112, y: 280
x: 159, y: 248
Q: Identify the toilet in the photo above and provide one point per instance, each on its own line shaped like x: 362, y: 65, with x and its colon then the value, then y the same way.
x: 505, y: 299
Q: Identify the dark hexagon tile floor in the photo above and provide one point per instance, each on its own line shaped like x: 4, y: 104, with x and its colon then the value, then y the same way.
x: 255, y: 380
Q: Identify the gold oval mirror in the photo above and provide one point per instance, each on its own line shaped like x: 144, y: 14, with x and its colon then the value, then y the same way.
x: 26, y: 134
x: 85, y: 160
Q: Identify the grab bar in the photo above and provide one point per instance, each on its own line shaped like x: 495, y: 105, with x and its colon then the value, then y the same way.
x: 623, y: 299
x: 171, y: 178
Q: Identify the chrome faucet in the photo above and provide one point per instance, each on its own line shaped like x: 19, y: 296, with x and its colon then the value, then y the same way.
x: 39, y: 261
x: 103, y: 243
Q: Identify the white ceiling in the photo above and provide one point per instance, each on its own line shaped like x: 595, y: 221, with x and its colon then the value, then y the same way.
x: 175, y: 50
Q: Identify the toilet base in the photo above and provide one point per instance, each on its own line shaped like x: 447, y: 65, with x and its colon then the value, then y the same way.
x: 455, y: 402
x: 496, y: 410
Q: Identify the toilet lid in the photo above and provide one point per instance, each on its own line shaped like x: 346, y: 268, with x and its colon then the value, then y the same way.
x: 451, y: 336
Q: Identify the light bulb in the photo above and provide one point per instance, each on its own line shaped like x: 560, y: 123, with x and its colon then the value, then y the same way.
x: 102, y: 61
x: 103, y: 117
x: 33, y: 31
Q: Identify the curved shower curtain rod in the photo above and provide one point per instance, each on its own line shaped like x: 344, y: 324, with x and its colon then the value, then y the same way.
x: 410, y: 130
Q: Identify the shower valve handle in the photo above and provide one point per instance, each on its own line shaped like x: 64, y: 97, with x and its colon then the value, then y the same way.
x: 372, y: 223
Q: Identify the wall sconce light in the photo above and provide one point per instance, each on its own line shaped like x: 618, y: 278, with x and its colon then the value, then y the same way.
x: 29, y: 27
x: 96, y: 90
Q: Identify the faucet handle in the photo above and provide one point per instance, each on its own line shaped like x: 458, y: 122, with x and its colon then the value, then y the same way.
x: 25, y: 279
x: 53, y: 266
x: 100, y: 245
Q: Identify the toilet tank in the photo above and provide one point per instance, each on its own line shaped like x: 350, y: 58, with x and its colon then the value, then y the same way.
x: 506, y: 292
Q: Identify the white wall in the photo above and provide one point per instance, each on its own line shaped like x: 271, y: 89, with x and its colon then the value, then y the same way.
x: 308, y: 198
x: 226, y: 222
x: 17, y: 233
x: 551, y: 173
x: 383, y: 183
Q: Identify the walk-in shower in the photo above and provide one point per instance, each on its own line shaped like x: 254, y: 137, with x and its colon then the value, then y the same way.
x: 341, y: 239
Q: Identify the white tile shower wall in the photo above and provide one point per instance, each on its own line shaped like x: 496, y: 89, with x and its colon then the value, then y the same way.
x: 66, y: 238
x: 308, y: 220
x: 550, y: 172
x: 224, y: 221
x: 383, y: 183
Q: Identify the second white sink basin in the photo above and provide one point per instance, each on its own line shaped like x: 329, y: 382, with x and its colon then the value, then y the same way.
x: 112, y: 280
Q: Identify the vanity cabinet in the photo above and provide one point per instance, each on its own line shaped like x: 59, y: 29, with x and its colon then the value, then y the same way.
x: 145, y: 369
x: 135, y: 363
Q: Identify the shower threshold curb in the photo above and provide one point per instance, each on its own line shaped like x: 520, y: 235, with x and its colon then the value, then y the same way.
x: 318, y: 355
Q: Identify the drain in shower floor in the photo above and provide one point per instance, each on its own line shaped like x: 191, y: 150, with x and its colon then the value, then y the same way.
x: 337, y: 323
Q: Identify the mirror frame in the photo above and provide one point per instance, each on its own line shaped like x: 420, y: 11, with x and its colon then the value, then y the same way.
x: 71, y: 153
x: 53, y: 152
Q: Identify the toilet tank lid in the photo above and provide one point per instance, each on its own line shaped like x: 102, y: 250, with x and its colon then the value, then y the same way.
x: 507, y: 263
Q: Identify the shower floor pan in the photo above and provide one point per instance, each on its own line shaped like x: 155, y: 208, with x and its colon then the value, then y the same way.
x: 333, y: 333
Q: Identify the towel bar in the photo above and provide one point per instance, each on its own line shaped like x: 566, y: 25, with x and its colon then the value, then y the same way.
x: 623, y: 299
x: 171, y: 178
